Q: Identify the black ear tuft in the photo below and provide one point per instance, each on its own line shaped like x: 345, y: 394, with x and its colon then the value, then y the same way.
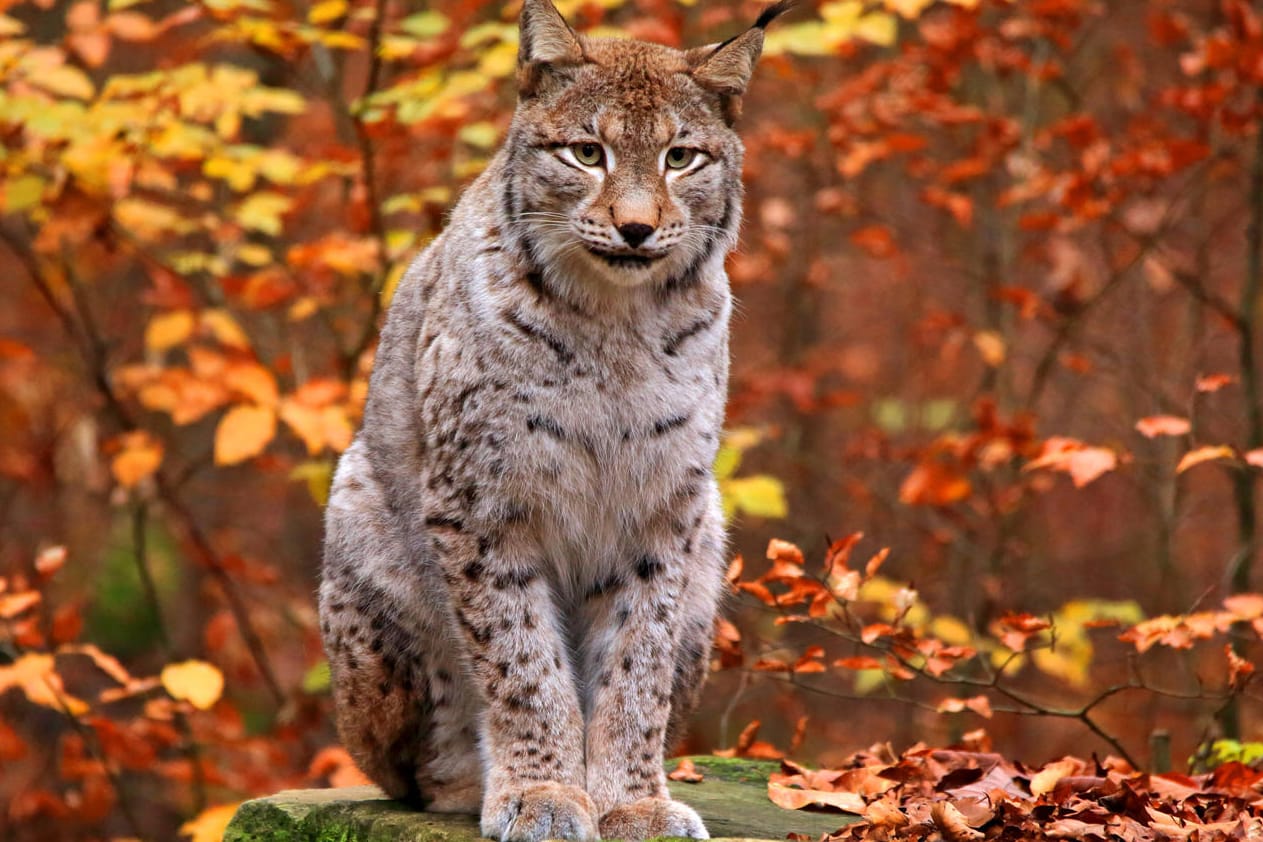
x: 773, y: 12
x: 726, y: 69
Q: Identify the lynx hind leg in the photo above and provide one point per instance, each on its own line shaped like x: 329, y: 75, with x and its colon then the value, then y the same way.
x: 695, y: 628
x: 402, y: 706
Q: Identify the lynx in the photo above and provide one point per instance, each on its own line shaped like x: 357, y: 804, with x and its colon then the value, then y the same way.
x: 524, y: 546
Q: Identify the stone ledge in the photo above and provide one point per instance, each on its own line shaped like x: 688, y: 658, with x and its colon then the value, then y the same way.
x: 732, y: 800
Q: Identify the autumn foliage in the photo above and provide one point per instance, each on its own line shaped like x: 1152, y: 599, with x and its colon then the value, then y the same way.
x: 1001, y: 283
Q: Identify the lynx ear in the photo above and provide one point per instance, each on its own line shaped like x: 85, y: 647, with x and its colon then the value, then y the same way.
x: 726, y: 68
x: 544, y: 39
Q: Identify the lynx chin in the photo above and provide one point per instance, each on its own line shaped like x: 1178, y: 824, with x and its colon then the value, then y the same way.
x: 524, y: 547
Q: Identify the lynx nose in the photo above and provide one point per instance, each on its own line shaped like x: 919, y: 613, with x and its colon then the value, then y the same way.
x: 635, y: 233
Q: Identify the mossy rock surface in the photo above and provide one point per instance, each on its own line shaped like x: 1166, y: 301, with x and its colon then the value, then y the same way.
x: 732, y: 800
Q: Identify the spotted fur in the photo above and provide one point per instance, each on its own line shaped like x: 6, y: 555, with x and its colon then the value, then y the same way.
x: 524, y: 548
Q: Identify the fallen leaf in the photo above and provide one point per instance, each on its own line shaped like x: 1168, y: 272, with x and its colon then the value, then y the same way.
x: 948, y: 819
x: 686, y: 772
x: 793, y: 798
x: 1046, y: 778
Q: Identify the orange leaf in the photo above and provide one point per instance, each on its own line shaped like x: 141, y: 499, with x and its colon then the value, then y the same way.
x: 874, y: 564
x: 210, y: 824
x: 934, y: 483
x: 1209, y: 453
x: 839, y: 552
x: 1239, y: 669
x: 37, y: 677
x: 252, y: 381
x: 50, y: 560
x: 1163, y: 425
x: 243, y: 433
x: 778, y: 550
x: 1083, y: 463
x: 876, y: 240
x: 167, y: 330
x: 11, y: 605
x: 140, y: 456
x: 1214, y: 382
x: 685, y: 772
x: 318, y: 427
x: 980, y: 705
x: 858, y: 662
x: 108, y: 664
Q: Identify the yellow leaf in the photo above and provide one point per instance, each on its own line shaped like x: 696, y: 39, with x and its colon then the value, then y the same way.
x: 326, y: 10
x: 150, y: 220
x: 210, y: 824
x: 761, y: 496
x: 23, y: 192
x: 239, y: 174
x: 224, y: 327
x: 263, y: 211
x: 909, y: 9
x: 10, y: 27
x: 196, y: 681
x: 393, y: 277
x: 140, y: 457
x: 243, y: 433
x: 338, y: 40
x: 877, y: 28
x: 168, y: 330
x: 1204, y: 454
x: 254, y: 254
x: 318, y: 475
x: 482, y: 134
x: 425, y: 24
x: 65, y: 80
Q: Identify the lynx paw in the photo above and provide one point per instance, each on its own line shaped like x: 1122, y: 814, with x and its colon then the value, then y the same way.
x: 649, y: 817
x: 538, y: 812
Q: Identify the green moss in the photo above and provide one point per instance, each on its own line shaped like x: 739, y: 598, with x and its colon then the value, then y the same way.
x: 732, y: 800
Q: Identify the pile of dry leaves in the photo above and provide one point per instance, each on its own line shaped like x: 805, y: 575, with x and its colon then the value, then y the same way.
x: 970, y: 793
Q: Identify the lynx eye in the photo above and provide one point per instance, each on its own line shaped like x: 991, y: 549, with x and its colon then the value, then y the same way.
x: 588, y: 154
x: 679, y: 157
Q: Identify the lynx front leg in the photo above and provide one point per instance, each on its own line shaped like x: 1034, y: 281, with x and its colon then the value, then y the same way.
x: 532, y: 729
x: 647, y: 662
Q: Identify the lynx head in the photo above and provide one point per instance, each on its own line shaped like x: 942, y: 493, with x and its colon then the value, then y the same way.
x: 623, y: 165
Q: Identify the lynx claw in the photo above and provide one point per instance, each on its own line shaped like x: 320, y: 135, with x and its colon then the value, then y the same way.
x: 650, y: 817
x: 539, y: 812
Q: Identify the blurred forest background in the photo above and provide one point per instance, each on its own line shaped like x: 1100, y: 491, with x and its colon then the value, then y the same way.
x: 1000, y: 284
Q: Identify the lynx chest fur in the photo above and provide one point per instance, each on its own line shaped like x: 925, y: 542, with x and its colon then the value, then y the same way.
x: 524, y: 547
x: 579, y: 418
